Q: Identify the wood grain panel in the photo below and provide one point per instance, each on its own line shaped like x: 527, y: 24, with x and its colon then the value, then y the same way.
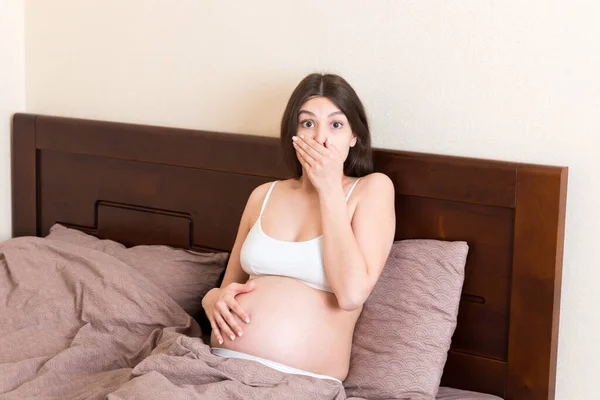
x: 535, y: 298
x: 238, y: 153
x: 71, y: 184
x: 130, y: 224
x: 479, y: 374
x: 24, y: 179
x: 483, y: 327
x: 450, y: 178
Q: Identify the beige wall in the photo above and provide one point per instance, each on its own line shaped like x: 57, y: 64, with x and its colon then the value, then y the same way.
x: 498, y: 79
x: 12, y: 94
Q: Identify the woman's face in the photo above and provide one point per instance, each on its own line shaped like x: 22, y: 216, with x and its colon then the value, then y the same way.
x: 320, y: 119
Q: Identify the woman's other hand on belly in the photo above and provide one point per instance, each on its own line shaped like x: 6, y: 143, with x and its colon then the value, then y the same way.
x: 222, y: 308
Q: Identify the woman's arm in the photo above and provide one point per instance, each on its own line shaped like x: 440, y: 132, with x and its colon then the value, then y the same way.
x: 219, y: 303
x: 355, y: 252
x: 234, y: 271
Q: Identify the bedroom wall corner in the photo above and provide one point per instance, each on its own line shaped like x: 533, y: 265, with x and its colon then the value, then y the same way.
x: 12, y: 96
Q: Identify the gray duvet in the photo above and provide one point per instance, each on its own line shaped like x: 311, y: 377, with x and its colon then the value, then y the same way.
x: 76, y: 323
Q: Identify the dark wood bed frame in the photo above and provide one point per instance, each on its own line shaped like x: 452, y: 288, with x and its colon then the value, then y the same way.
x: 155, y: 185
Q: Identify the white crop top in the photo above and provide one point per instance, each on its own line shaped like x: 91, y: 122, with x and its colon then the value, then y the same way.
x: 262, y: 255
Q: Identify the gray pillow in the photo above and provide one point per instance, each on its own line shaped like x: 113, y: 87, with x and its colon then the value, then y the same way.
x: 185, y: 275
x: 403, y: 334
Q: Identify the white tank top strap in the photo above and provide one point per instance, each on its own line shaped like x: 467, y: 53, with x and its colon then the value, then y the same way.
x: 266, y: 198
x: 351, y: 189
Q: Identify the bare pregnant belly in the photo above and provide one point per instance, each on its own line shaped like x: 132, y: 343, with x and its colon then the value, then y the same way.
x: 296, y: 325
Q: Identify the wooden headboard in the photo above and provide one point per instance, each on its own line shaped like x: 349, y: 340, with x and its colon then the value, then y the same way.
x: 154, y: 185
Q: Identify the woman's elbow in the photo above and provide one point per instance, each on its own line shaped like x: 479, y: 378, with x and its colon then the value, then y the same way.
x: 350, y: 302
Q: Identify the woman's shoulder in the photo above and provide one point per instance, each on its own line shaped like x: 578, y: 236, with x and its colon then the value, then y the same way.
x: 255, y: 200
x: 376, y: 194
x: 376, y: 182
x: 260, y: 192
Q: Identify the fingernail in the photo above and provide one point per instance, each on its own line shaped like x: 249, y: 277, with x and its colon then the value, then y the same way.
x: 294, y: 138
x: 302, y: 136
x: 220, y: 341
x: 247, y: 320
x: 240, y: 333
x: 232, y: 337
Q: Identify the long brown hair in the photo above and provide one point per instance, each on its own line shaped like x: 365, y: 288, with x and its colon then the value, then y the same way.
x: 360, y: 159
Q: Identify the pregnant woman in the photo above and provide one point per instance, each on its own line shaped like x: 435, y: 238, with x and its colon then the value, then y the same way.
x: 309, y: 249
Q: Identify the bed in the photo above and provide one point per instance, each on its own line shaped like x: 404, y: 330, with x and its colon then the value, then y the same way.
x: 149, y: 185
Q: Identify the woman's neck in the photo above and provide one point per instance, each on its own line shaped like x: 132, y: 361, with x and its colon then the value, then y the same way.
x: 307, y: 187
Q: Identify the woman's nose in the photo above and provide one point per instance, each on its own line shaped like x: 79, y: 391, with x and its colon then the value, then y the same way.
x: 321, y: 136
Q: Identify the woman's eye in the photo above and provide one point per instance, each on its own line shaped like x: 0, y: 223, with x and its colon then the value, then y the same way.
x: 336, y: 125
x: 307, y: 124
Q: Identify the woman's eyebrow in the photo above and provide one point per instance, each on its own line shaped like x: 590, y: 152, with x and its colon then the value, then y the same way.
x: 306, y: 112
x: 313, y: 114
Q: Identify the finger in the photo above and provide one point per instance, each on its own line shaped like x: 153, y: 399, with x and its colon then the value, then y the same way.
x: 309, y: 148
x: 224, y: 327
x: 235, y: 306
x: 304, y: 155
x: 329, y: 144
x: 228, y: 317
x: 308, y: 162
x: 245, y: 288
x: 316, y: 146
x: 216, y: 330
x: 303, y: 161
